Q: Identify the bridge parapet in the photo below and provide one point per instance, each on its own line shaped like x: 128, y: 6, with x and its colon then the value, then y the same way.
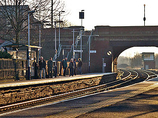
x: 127, y: 32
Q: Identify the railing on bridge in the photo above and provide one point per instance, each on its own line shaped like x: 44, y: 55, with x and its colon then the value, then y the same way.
x: 76, y: 46
x: 69, y: 55
x: 58, y: 52
x: 78, y: 38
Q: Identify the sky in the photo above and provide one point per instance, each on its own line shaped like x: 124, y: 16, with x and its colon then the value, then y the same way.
x: 113, y: 13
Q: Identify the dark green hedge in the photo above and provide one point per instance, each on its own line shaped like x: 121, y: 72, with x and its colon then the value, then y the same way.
x: 5, y: 55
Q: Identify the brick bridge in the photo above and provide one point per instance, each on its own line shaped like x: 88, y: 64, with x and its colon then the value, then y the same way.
x: 112, y: 41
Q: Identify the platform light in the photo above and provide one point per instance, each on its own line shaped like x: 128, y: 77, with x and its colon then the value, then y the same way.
x: 28, y: 58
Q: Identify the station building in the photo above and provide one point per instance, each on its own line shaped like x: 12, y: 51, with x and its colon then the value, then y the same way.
x: 148, y: 60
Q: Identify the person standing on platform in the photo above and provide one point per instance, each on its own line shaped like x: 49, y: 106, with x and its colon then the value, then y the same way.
x: 80, y: 66
x: 61, y: 66
x: 42, y: 66
x: 71, y: 67
x: 50, y: 65
x: 74, y: 66
x: 35, y: 65
x: 65, y: 66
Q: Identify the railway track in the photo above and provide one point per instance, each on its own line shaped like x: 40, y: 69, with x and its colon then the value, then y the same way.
x: 127, y: 77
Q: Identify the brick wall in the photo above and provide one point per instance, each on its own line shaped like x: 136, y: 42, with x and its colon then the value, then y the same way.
x: 21, y: 93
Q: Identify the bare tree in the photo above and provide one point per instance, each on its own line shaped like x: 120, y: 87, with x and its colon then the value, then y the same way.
x: 14, y: 14
x: 136, y: 61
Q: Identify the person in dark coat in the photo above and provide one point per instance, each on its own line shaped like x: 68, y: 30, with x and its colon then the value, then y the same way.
x: 80, y: 66
x: 50, y: 66
x: 42, y: 66
x: 55, y: 70
x: 71, y: 67
x: 74, y: 66
x: 35, y: 65
x: 65, y: 66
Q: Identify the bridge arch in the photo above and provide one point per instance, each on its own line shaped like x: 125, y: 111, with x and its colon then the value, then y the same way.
x: 119, y: 47
x: 117, y: 39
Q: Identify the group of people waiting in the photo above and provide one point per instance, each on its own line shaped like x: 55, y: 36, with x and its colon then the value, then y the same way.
x: 72, y: 67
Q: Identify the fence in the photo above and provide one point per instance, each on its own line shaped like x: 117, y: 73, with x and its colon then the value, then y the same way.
x: 12, y: 68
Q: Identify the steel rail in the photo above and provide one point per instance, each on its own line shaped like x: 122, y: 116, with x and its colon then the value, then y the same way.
x: 150, y: 76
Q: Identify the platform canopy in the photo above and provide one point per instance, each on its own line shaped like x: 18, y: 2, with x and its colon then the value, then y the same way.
x: 15, y: 45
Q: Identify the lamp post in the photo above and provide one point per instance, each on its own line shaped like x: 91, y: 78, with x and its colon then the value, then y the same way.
x: 39, y: 24
x: 109, y: 53
x: 144, y: 15
x: 89, y: 64
x: 40, y: 39
x: 55, y: 43
x: 55, y: 22
x: 81, y: 16
x: 28, y: 56
x: 89, y: 47
x: 59, y: 25
x: 73, y: 46
x: 52, y: 13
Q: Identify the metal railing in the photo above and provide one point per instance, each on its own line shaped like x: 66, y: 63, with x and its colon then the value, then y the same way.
x: 58, y: 52
x: 76, y: 44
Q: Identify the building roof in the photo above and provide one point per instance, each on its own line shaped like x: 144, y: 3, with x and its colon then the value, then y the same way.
x: 1, y: 41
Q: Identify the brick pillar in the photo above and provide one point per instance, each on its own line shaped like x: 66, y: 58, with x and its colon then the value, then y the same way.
x: 114, y: 65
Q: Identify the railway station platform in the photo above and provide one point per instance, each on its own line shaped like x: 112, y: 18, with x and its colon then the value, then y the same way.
x: 58, y: 79
x: 19, y: 91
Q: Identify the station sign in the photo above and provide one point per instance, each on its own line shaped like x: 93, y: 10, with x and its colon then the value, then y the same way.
x: 104, y: 64
x: 78, y: 50
x: 93, y: 51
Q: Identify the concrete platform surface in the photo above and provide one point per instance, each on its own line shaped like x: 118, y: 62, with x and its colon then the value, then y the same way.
x: 48, y: 80
x: 139, y: 100
x: 143, y: 105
